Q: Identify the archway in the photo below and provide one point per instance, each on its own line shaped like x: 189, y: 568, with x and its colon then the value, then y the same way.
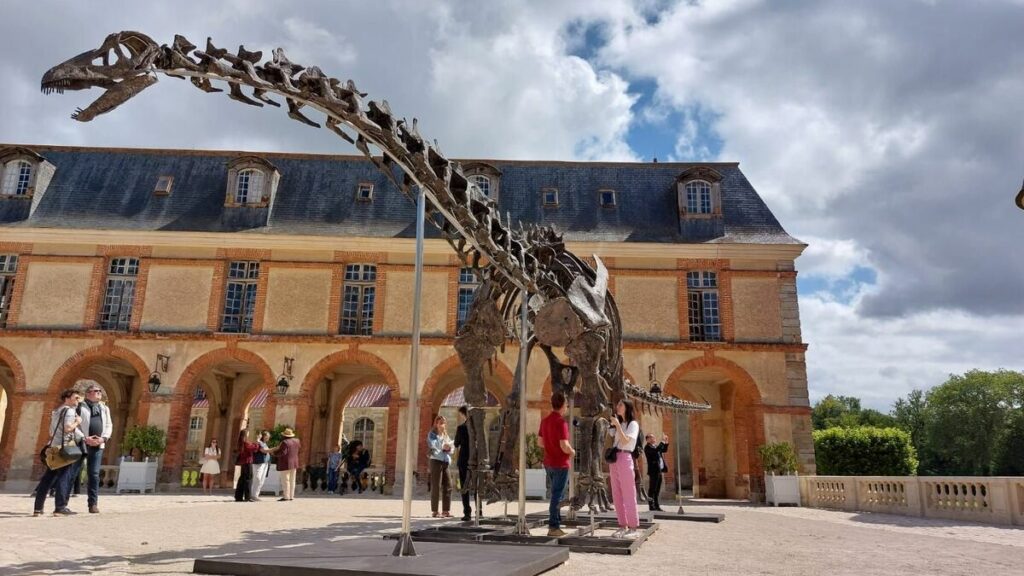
x: 445, y: 385
x: 12, y: 385
x: 340, y: 389
x: 723, y: 440
x: 212, y: 397
x: 122, y: 376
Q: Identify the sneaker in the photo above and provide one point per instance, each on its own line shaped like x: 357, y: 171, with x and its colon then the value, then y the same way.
x: 555, y: 533
x: 37, y: 513
x: 466, y: 518
x: 282, y: 499
x: 631, y: 534
x: 94, y: 509
x: 64, y: 512
x: 619, y: 533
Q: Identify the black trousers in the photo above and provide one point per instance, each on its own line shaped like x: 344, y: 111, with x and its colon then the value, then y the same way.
x: 654, y: 491
x: 244, y: 487
x: 467, y: 510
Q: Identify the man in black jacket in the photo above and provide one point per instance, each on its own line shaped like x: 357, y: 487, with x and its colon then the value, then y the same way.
x: 462, y: 443
x: 655, y: 467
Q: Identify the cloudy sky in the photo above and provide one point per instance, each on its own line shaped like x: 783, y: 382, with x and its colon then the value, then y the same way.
x: 888, y: 134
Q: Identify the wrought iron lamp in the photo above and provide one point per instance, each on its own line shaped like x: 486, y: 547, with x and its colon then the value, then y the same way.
x: 1020, y: 197
x: 652, y: 376
x: 284, y: 381
x: 158, y: 367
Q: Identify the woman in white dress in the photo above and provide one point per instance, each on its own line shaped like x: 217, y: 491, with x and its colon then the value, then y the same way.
x: 211, y: 466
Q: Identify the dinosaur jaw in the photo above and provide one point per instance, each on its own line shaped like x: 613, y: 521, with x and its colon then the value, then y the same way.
x: 116, y: 93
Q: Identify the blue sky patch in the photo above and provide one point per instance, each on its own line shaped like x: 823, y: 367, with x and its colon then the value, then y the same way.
x: 841, y: 289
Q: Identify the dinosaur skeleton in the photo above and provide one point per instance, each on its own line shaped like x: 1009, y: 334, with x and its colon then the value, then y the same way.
x: 569, y: 305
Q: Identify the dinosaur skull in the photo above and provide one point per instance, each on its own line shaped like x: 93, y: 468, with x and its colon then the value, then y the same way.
x: 122, y: 65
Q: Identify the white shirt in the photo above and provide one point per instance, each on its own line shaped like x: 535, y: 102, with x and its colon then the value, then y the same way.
x: 632, y: 430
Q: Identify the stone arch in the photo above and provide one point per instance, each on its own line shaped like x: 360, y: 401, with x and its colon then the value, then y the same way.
x: 182, y: 397
x: 15, y: 397
x: 73, y: 368
x: 742, y: 398
x: 325, y: 366
x: 435, y: 390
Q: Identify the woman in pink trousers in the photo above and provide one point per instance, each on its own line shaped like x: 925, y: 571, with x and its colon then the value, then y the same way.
x: 625, y: 430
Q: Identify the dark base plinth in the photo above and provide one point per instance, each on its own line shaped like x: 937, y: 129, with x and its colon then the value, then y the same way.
x: 364, y: 557
x: 690, y: 516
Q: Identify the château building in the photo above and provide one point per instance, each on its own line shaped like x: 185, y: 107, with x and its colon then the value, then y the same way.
x: 223, y: 272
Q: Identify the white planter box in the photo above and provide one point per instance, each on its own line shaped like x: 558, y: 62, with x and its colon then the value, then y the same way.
x: 536, y: 483
x: 782, y: 490
x: 139, y: 476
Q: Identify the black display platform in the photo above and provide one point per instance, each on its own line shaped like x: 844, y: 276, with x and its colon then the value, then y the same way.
x: 690, y: 516
x: 364, y: 557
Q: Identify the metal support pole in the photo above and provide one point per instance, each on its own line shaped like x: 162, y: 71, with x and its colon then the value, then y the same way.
x: 521, y: 527
x: 404, y: 546
x: 679, y: 461
x: 572, y: 459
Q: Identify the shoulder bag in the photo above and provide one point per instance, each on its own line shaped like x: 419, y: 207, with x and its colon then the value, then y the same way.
x: 56, y: 457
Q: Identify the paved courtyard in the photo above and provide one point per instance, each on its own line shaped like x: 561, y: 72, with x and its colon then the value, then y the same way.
x: 162, y: 534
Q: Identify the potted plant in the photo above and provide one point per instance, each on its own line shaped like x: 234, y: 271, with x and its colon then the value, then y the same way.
x: 780, y: 464
x: 147, y: 441
x: 535, y: 476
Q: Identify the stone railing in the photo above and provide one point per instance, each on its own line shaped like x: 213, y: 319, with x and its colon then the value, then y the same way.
x: 993, y: 500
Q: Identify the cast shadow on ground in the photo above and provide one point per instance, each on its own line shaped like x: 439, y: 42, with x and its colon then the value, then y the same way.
x: 882, y: 519
x: 250, y: 540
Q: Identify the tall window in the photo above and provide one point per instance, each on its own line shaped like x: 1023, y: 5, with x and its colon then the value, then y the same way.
x: 482, y: 182
x: 357, y: 300
x: 195, y: 430
x: 363, y: 431
x: 240, y: 296
x: 249, y: 189
x: 698, y: 197
x: 8, y: 268
x: 702, y: 296
x: 468, y: 283
x: 17, y: 176
x: 120, y: 295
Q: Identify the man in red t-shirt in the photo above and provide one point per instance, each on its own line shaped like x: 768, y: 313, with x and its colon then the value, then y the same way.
x: 554, y: 435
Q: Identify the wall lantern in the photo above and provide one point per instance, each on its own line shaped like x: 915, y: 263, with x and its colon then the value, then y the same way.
x: 283, y: 381
x: 652, y: 376
x: 160, y: 366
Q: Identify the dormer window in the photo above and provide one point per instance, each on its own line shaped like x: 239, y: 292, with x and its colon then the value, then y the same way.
x: 252, y: 182
x: 483, y: 183
x: 163, y: 186
x: 17, y: 178
x: 364, y: 192
x: 700, y: 193
x: 607, y: 198
x: 698, y: 197
x: 485, y: 177
x: 549, y: 196
x: 249, y: 189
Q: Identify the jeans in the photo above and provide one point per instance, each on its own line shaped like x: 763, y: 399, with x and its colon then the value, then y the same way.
x: 558, y: 477
x: 332, y: 479
x: 93, y: 457
x: 60, y: 481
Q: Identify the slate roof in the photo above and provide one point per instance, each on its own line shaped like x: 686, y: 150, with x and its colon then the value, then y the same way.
x: 112, y: 189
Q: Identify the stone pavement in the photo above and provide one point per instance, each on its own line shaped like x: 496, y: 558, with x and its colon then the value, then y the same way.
x: 163, y: 533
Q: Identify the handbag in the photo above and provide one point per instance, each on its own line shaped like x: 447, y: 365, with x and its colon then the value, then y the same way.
x: 54, y: 456
x: 611, y: 454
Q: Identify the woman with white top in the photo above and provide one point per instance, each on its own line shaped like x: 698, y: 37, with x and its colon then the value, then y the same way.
x: 440, y: 446
x: 64, y: 423
x: 625, y: 430
x: 211, y: 466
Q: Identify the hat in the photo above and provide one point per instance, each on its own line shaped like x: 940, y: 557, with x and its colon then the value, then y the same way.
x: 288, y: 433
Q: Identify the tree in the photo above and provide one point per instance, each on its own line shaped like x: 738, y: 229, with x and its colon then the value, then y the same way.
x: 965, y: 416
x: 910, y: 414
x: 864, y: 451
x: 1009, y: 449
x: 846, y: 412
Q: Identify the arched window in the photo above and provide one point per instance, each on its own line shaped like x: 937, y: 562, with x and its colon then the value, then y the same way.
x: 698, y: 197
x: 17, y: 177
x: 249, y: 188
x: 363, y: 431
x: 483, y: 183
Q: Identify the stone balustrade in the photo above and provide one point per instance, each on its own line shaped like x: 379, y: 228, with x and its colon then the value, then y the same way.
x: 992, y: 500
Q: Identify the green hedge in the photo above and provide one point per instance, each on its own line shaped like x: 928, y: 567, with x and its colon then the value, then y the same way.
x: 864, y: 451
